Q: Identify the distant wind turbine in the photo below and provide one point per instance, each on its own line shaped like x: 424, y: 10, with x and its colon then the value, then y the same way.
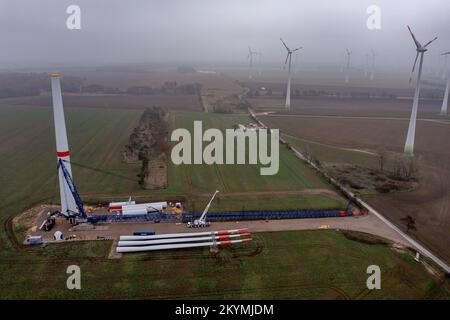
x: 372, y: 71
x: 366, y: 66
x: 409, y: 145
x: 259, y: 62
x: 444, y: 67
x: 347, y: 69
x: 447, y: 89
x: 289, y: 59
x: 250, y: 57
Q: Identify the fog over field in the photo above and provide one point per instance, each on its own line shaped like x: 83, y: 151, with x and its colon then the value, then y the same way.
x: 34, y: 33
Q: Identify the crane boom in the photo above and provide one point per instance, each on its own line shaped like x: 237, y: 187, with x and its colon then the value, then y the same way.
x: 203, y: 216
x: 73, y: 189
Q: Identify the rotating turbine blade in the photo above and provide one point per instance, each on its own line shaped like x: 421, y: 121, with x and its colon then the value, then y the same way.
x: 418, y: 45
x: 430, y: 42
x: 414, y: 67
x: 287, y: 48
x: 297, y: 49
x: 445, y: 53
x: 287, y: 57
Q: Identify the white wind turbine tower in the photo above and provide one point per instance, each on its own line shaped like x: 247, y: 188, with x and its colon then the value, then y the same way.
x: 444, y: 69
x: 372, y: 71
x: 366, y: 66
x: 447, y: 89
x: 250, y: 57
x: 259, y: 62
x: 347, y: 69
x: 289, y: 58
x: 409, y: 145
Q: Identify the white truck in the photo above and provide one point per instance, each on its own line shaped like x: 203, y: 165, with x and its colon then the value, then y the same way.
x: 201, y: 222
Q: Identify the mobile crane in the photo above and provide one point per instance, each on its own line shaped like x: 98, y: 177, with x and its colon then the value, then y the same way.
x: 73, y: 216
x: 201, y: 222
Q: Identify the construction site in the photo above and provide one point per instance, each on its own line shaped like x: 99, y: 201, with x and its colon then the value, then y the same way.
x: 214, y: 160
x: 138, y: 227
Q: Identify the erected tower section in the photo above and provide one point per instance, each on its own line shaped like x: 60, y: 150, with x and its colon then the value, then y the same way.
x: 68, y: 204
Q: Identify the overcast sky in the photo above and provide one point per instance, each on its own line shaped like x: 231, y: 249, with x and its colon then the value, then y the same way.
x: 34, y: 33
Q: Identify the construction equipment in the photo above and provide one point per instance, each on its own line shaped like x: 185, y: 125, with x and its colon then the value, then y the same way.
x: 73, y: 190
x: 49, y: 222
x: 201, y: 222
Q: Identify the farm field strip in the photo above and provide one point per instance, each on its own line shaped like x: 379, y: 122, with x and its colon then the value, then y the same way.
x: 428, y: 204
x: 290, y: 265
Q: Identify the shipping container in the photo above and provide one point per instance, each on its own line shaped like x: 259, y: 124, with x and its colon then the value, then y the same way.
x: 144, y: 233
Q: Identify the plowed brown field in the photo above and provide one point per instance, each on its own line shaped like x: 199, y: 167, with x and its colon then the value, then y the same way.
x: 430, y: 203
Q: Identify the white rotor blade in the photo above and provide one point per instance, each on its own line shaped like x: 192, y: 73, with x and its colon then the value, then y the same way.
x: 414, y: 67
x: 287, y: 57
x: 430, y: 42
x: 287, y: 48
x: 418, y: 45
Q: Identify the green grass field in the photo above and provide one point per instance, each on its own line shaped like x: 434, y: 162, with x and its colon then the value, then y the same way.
x: 293, y: 175
x: 97, y: 138
x: 278, y: 265
x: 290, y: 265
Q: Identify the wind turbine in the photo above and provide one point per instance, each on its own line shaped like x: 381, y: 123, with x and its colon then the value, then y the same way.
x: 447, y: 89
x: 366, y: 66
x: 259, y: 62
x: 444, y: 76
x: 372, y: 71
x: 250, y: 57
x: 289, y: 58
x: 347, y: 69
x: 409, y: 145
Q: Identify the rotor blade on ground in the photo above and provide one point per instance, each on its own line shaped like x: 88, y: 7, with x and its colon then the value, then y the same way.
x: 179, y: 246
x: 128, y: 243
x: 180, y: 235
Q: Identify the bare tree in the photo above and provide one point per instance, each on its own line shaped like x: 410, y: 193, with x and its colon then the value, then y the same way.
x: 382, y: 159
x: 410, y: 223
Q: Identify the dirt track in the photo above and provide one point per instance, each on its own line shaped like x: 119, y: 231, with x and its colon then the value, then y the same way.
x: 366, y: 223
